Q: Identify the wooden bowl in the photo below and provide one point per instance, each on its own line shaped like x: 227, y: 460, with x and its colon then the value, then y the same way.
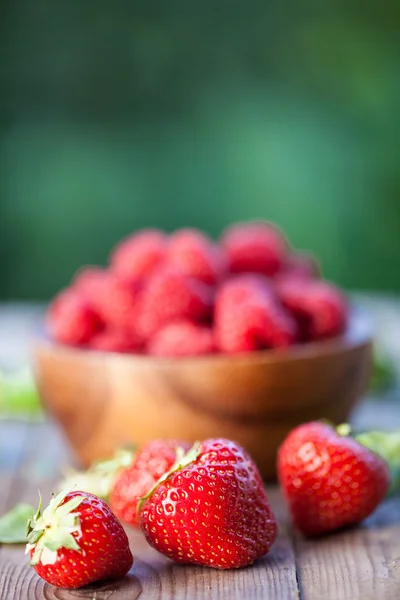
x: 105, y: 400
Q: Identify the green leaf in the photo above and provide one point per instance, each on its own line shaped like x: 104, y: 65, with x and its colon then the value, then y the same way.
x: 69, y: 506
x: 34, y: 535
x: 99, y: 478
x: 55, y: 502
x: 54, y: 529
x: 18, y: 395
x: 36, y: 556
x: 182, y: 460
x: 13, y: 524
x: 383, y: 372
x: 61, y: 539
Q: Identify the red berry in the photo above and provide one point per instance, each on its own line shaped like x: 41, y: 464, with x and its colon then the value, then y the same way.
x: 301, y: 266
x: 77, y: 541
x: 113, y: 297
x: 329, y: 481
x: 247, y: 317
x: 150, y: 462
x: 212, y: 511
x: 320, y: 308
x: 88, y: 281
x: 170, y: 296
x: 137, y: 256
x: 195, y: 255
x: 115, y: 340
x: 181, y: 338
x: 115, y: 302
x: 254, y: 247
x: 71, y: 320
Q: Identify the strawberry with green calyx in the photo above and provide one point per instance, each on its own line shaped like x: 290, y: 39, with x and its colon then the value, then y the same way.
x: 76, y: 541
x: 329, y: 479
x: 150, y: 463
x: 210, y: 508
x: 100, y: 476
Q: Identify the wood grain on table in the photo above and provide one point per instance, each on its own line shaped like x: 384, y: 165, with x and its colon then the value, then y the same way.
x: 361, y: 563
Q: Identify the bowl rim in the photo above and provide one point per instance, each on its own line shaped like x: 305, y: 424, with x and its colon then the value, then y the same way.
x: 358, y: 333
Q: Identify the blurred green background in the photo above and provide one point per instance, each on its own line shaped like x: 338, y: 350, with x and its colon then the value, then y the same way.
x: 117, y: 115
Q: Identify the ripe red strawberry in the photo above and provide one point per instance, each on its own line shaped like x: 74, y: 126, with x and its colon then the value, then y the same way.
x: 320, y: 308
x: 254, y: 247
x: 77, y: 541
x: 171, y: 296
x: 247, y: 317
x: 71, y: 320
x: 329, y: 481
x: 137, y: 256
x: 115, y: 340
x: 150, y: 463
x: 182, y: 338
x: 195, y: 255
x: 211, y: 510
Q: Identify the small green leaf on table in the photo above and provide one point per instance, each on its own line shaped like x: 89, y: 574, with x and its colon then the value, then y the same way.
x: 14, y: 523
x: 383, y: 372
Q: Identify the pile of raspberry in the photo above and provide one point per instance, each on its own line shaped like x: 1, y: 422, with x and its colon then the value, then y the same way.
x: 186, y: 295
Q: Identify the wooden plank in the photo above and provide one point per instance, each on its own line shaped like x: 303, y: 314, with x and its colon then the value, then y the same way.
x: 361, y: 563
x: 31, y: 453
x: 12, y: 436
x: 152, y: 575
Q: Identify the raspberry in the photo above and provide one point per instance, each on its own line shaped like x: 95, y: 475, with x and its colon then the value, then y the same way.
x: 320, y: 308
x: 137, y: 256
x: 195, y: 255
x: 114, y: 340
x: 170, y: 296
x: 254, y: 247
x: 71, y: 320
x: 88, y: 282
x: 302, y: 266
x: 113, y: 297
x: 248, y: 317
x: 182, y: 338
x: 116, y: 301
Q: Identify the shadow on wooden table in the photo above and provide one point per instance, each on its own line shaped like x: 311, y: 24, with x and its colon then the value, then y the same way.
x: 128, y: 588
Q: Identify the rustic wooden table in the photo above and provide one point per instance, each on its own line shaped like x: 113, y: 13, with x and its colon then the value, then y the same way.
x: 360, y: 563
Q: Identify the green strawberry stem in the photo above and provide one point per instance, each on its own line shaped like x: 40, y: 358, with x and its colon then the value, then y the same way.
x: 182, y: 460
x: 100, y: 476
x: 54, y: 529
x: 344, y: 429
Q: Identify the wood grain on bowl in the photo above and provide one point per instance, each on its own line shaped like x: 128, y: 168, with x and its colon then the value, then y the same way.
x: 105, y: 400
